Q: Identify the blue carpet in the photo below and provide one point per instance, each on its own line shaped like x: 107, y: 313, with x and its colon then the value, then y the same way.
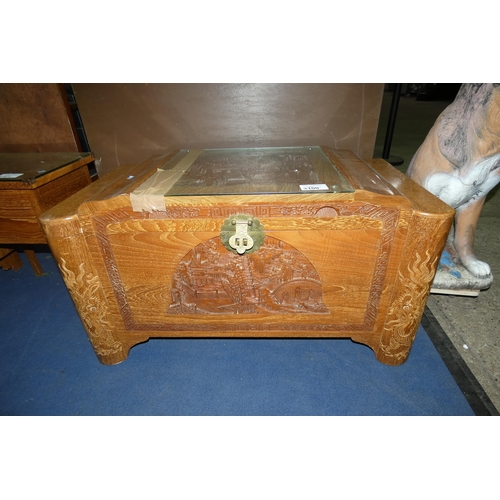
x: 48, y: 367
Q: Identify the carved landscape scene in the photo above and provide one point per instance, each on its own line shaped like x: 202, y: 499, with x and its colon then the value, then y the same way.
x: 276, y: 279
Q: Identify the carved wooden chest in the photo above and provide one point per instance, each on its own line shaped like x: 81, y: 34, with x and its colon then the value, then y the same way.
x: 268, y: 242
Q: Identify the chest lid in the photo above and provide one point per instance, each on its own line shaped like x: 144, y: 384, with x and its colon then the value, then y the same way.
x: 241, y: 171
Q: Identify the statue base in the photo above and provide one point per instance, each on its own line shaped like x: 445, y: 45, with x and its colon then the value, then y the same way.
x: 454, y: 279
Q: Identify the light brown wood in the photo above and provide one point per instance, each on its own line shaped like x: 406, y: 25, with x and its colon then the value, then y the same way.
x: 9, y: 259
x: 34, y: 262
x: 354, y: 264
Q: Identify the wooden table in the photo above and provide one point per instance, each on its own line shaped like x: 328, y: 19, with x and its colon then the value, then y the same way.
x: 30, y: 184
x: 271, y: 242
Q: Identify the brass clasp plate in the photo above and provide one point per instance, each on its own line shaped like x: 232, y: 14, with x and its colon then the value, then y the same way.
x: 242, y: 234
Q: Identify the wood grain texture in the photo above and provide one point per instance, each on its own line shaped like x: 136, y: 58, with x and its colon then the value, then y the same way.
x: 21, y: 203
x: 356, y: 265
x: 126, y: 123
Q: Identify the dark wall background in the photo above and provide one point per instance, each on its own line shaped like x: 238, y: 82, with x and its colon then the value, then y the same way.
x: 35, y: 118
x: 126, y: 123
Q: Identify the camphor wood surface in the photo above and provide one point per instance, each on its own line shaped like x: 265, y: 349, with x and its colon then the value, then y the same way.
x: 354, y: 264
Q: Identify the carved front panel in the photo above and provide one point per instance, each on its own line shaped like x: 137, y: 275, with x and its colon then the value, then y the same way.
x: 322, y: 270
x: 276, y: 279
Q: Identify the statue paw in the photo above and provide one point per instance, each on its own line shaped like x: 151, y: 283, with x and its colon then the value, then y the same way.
x: 477, y: 268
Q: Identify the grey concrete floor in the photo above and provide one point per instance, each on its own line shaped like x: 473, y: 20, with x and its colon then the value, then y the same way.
x: 471, y: 323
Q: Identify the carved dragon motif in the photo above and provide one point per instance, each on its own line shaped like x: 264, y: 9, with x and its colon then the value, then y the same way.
x: 406, y: 310
x: 412, y: 287
x: 83, y: 288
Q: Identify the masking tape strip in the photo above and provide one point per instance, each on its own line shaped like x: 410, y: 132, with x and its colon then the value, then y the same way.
x: 150, y: 195
x: 188, y: 160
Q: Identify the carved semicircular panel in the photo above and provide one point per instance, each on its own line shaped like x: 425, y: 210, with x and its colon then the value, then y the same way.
x: 275, y: 279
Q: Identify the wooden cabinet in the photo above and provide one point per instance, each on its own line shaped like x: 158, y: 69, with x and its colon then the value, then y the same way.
x: 30, y: 184
x: 269, y: 242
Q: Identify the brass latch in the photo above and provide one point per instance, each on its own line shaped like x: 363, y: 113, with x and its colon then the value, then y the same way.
x: 242, y: 234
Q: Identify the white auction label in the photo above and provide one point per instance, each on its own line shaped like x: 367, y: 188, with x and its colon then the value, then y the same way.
x: 313, y: 187
x: 9, y: 176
